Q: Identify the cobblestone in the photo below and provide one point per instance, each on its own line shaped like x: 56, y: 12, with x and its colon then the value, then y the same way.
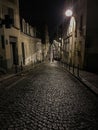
x: 48, y: 99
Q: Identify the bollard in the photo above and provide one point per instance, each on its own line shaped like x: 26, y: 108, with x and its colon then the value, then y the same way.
x: 78, y: 70
x: 69, y: 67
x: 1, y: 61
x: 73, y: 68
x: 62, y: 64
x: 21, y: 67
x: 16, y: 68
x: 66, y: 65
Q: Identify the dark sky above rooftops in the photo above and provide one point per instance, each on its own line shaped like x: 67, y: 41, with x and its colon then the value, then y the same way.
x: 38, y: 12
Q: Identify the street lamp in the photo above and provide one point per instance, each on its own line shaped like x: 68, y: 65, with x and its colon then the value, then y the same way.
x: 71, y: 30
x: 69, y: 13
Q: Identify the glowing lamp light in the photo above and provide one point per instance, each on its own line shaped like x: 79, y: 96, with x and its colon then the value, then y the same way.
x: 68, y: 13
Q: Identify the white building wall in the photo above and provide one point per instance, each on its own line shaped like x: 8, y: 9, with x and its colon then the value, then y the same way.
x: 32, y: 51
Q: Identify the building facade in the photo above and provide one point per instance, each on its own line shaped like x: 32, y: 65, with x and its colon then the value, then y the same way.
x: 31, y: 46
x: 18, y: 42
x: 80, y: 35
x: 9, y: 37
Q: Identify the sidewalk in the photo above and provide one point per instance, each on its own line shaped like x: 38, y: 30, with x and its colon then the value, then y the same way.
x: 87, y: 78
x: 12, y: 73
x: 90, y: 79
x: 7, y: 75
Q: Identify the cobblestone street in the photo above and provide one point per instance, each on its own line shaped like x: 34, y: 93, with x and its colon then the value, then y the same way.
x: 48, y: 98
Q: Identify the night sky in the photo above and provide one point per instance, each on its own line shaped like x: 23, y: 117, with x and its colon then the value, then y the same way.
x: 39, y: 12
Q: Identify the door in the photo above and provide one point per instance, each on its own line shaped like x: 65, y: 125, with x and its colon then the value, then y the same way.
x: 15, y: 53
x: 23, y: 52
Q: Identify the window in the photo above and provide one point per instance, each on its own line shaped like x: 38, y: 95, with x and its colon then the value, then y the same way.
x: 11, y: 14
x: 23, y: 52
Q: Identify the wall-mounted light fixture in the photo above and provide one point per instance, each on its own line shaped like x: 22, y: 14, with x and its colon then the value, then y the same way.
x: 69, y: 13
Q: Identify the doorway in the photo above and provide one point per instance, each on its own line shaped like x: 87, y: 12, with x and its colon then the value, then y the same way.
x: 15, y: 55
x: 23, y: 52
x: 14, y: 50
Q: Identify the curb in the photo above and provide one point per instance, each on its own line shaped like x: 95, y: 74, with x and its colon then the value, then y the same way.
x: 91, y: 87
x: 88, y: 84
x: 17, y: 74
x: 7, y: 77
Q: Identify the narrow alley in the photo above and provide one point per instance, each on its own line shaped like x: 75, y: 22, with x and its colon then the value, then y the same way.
x: 47, y: 98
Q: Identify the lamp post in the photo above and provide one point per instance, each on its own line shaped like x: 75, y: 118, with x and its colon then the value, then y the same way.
x: 69, y: 14
x: 72, y: 30
x: 71, y: 33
